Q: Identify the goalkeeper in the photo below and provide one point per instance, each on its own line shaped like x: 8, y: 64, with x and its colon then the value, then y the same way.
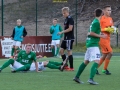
x: 19, y: 32
x: 55, y: 44
x: 106, y: 28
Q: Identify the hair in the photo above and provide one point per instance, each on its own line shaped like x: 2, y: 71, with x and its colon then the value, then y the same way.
x: 98, y: 12
x: 66, y: 9
x: 55, y: 19
x: 19, y: 20
x: 106, y: 6
x: 28, y: 44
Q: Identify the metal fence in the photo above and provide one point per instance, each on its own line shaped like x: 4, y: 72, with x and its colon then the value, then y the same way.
x: 37, y: 15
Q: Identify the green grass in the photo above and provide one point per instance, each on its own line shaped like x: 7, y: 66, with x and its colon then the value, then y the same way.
x: 55, y: 80
x: 82, y: 48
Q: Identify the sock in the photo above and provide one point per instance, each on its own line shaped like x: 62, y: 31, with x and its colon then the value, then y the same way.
x: 12, y: 52
x: 6, y: 64
x: 53, y: 51
x: 100, y: 63
x: 52, y: 66
x: 71, y: 61
x: 106, y: 63
x: 63, y: 57
x: 80, y: 70
x: 93, y: 70
x: 55, y: 63
x: 57, y: 51
x: 24, y: 68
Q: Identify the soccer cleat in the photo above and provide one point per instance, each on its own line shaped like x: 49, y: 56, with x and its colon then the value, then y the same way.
x: 106, y: 72
x: 70, y: 69
x: 77, y: 80
x: 97, y: 72
x: 64, y: 63
x: 91, y: 81
x: 13, y: 71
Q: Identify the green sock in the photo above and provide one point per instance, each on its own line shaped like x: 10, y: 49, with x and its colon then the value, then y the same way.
x: 80, y: 70
x: 12, y: 52
x: 93, y: 70
x: 53, y: 51
x: 57, y: 51
x: 24, y: 68
x: 52, y: 66
x: 55, y: 63
x: 7, y: 63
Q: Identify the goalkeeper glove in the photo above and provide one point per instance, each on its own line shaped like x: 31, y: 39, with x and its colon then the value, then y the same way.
x: 109, y: 29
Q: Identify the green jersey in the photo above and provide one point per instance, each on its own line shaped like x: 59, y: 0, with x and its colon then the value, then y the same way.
x: 25, y: 58
x: 92, y: 41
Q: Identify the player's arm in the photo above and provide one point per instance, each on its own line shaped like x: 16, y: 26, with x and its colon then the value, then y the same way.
x: 93, y: 28
x: 71, y: 23
x: 36, y: 64
x: 96, y: 35
x: 60, y: 28
x: 13, y: 33
x: 51, y: 30
x: 24, y: 32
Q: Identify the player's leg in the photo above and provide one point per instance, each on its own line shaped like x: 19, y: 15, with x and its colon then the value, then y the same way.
x: 82, y: 67
x: 50, y: 65
x: 107, y: 59
x: 53, y: 47
x: 13, y: 49
x: 69, y: 50
x: 57, y: 47
x: 6, y: 64
x: 22, y: 68
x: 62, y: 49
x: 94, y: 56
x: 104, y: 54
x: 56, y: 63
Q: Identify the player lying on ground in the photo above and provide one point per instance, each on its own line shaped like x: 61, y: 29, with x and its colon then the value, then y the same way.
x: 43, y: 64
x: 24, y: 61
x: 19, y: 32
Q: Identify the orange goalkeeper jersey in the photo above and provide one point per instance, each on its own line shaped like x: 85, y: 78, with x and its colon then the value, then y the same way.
x: 105, y: 22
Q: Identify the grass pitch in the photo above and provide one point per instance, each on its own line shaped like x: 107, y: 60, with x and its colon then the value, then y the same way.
x: 55, y: 80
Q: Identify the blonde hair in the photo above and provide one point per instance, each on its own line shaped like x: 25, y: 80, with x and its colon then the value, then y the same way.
x: 66, y: 9
x: 19, y: 20
x: 28, y: 44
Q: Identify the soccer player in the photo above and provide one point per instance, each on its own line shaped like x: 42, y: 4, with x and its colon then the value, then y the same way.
x: 19, y: 32
x: 106, y: 21
x: 24, y: 61
x: 93, y: 52
x: 49, y: 64
x: 67, y: 43
x: 55, y: 44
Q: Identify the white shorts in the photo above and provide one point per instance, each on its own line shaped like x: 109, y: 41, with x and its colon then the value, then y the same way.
x: 55, y: 42
x: 40, y: 66
x: 17, y: 43
x: 16, y: 65
x: 92, y: 53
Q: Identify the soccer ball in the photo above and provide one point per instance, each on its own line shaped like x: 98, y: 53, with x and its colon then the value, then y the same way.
x: 115, y: 29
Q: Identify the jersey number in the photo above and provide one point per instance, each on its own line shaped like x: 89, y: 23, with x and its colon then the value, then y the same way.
x: 98, y: 55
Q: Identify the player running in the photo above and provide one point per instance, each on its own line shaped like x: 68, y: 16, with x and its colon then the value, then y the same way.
x: 55, y: 44
x: 19, y: 32
x: 106, y: 22
x: 67, y: 43
x: 93, y: 52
